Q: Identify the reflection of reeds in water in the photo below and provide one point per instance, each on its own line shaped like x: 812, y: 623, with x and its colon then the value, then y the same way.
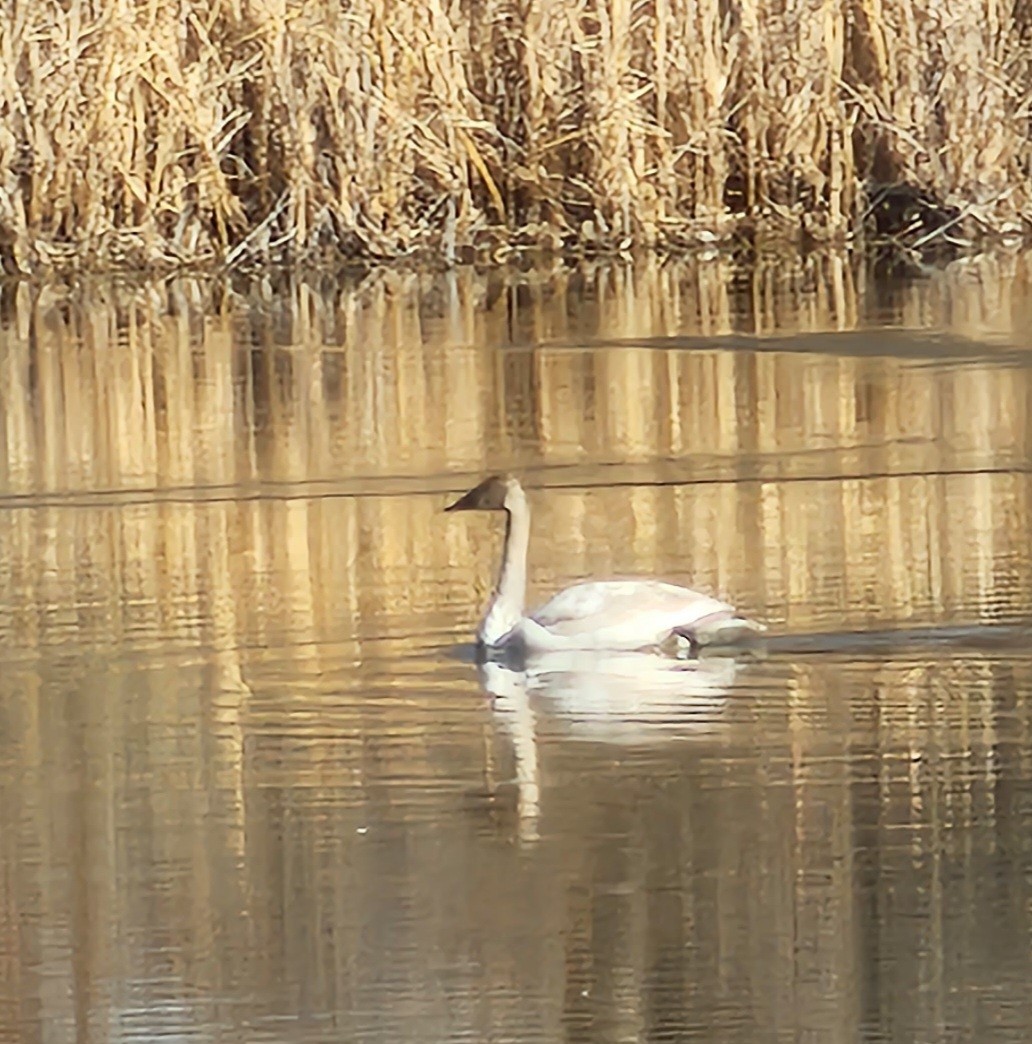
x: 837, y: 872
x: 157, y: 391
x: 355, y: 389
x: 826, y: 863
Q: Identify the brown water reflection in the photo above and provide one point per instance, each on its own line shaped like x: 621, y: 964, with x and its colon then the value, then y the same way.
x: 249, y: 792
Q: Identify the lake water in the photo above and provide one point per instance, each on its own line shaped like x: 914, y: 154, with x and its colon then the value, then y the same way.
x: 253, y: 788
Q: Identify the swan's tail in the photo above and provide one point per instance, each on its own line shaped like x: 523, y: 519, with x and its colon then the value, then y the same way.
x: 724, y: 631
x: 730, y: 630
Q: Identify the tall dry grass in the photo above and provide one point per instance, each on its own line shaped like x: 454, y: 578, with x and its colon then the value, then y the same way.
x: 140, y: 133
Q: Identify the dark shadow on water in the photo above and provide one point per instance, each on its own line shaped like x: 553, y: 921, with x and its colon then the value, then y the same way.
x: 467, y: 652
x: 974, y: 637
x: 898, y: 343
x: 957, y: 636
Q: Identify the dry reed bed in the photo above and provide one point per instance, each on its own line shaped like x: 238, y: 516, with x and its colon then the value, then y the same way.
x: 189, y: 132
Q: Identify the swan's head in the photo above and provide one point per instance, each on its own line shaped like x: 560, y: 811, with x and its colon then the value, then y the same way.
x: 496, y: 493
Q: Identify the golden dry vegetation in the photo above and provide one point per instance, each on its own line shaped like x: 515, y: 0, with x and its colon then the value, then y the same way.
x: 198, y: 132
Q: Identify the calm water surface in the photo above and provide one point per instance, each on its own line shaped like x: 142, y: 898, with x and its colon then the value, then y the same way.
x: 252, y: 788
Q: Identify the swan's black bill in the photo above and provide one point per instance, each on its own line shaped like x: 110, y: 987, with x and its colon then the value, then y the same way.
x: 488, y: 496
x: 467, y: 502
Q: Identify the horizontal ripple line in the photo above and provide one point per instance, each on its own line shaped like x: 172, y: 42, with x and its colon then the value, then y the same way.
x: 750, y: 472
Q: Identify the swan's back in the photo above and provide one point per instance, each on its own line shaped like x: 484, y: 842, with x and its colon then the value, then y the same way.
x: 628, y: 614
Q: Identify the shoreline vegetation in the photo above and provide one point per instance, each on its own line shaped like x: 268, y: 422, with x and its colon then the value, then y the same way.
x: 233, y: 133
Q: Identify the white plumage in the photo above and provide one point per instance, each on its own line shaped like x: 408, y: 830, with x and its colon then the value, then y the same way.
x: 624, y: 614
x: 602, y: 614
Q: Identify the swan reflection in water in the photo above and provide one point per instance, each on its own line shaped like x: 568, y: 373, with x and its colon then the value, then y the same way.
x: 625, y: 699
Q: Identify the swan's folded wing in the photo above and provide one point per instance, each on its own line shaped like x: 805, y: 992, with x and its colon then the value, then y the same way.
x: 627, y: 612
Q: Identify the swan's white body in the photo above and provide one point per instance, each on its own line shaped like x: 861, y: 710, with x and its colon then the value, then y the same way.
x: 618, y: 615
x: 604, y: 614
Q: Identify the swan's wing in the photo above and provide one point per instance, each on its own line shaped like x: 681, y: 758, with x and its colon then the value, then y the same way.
x: 597, y: 596
x: 631, y: 611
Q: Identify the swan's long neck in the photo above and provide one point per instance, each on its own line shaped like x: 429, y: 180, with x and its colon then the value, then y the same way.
x: 506, y: 606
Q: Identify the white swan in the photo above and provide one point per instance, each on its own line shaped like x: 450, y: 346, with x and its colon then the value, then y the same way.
x: 601, y: 614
